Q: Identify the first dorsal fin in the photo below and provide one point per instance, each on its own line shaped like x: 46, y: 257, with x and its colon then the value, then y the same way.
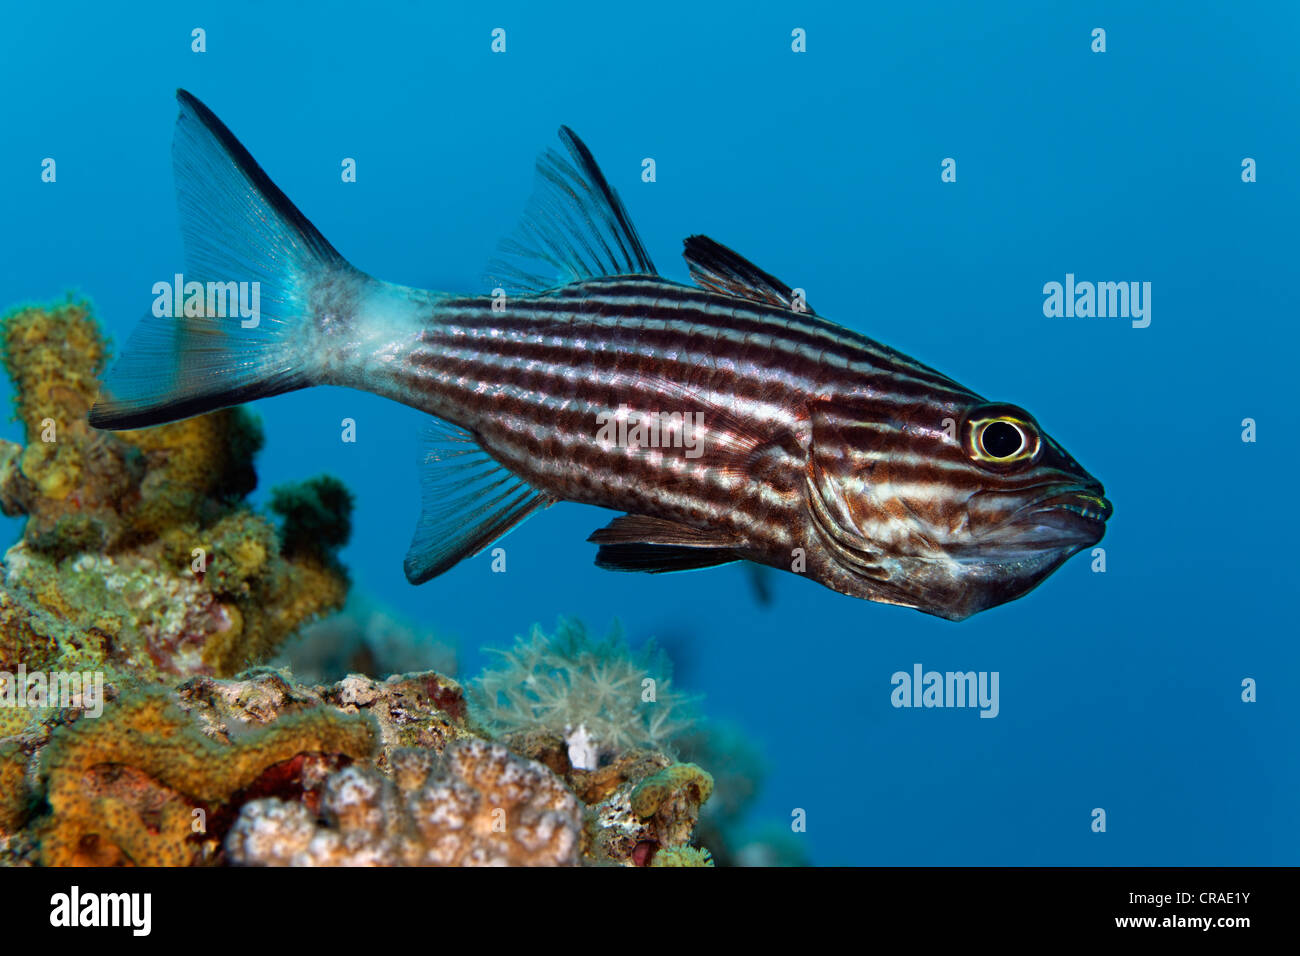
x: 714, y: 266
x: 575, y: 227
x: 470, y: 500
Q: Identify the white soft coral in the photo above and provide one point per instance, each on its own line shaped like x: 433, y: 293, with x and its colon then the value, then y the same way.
x: 568, y: 680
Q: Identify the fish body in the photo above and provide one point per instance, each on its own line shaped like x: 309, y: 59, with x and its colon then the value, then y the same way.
x: 725, y: 418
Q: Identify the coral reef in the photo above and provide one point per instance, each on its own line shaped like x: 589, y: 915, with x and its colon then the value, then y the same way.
x: 263, y: 758
x: 658, y: 796
x: 263, y: 769
x: 138, y: 556
x: 646, y: 814
x: 129, y: 786
x: 125, y: 788
x: 479, y: 805
x: 436, y: 794
x: 568, y: 683
x: 418, y: 710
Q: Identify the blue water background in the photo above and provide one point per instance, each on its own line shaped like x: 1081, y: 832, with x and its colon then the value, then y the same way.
x: 1118, y: 690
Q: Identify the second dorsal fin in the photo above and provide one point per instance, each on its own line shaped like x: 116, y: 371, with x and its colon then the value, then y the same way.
x: 714, y: 266
x: 575, y: 226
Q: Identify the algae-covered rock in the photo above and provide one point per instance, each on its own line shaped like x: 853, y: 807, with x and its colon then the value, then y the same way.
x: 138, y: 554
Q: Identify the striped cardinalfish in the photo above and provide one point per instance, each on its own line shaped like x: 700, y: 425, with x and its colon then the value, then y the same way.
x: 727, y: 419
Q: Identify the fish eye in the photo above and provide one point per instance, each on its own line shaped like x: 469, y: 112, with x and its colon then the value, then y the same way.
x: 1003, y: 439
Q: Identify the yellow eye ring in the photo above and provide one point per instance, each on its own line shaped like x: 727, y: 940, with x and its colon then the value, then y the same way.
x: 1003, y: 440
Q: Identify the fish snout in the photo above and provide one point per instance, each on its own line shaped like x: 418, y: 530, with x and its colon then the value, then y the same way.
x: 1073, y: 517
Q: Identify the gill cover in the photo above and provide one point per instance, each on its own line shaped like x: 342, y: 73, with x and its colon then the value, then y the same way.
x: 830, y: 472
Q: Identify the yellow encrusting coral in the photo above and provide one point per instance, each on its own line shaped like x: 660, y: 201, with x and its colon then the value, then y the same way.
x: 66, y: 479
x: 14, y: 798
x: 193, y: 469
x: 124, y: 788
x: 653, y: 793
x: 50, y: 350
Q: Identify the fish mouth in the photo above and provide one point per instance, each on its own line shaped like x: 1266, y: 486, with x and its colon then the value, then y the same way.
x: 1071, y: 519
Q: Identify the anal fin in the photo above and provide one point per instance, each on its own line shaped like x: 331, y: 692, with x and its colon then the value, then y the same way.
x: 659, y: 546
x: 469, y: 501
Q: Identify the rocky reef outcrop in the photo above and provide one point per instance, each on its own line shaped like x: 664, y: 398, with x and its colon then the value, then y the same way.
x: 139, y: 555
x: 263, y: 770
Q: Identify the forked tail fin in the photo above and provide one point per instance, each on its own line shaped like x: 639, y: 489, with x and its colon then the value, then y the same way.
x: 243, y: 239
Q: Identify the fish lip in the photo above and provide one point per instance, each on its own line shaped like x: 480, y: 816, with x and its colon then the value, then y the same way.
x: 1088, y: 503
x: 1073, y: 518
